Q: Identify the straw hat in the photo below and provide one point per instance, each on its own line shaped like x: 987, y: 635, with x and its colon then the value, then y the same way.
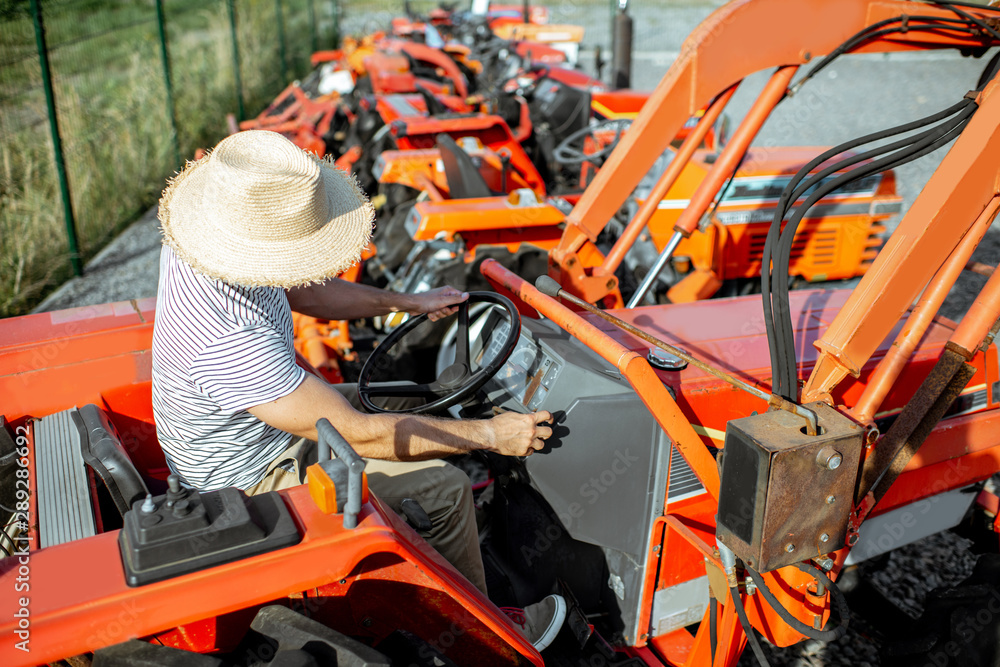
x: 260, y: 211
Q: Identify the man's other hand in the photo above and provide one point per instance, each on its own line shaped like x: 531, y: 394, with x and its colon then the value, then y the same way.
x: 437, y: 303
x: 515, y: 434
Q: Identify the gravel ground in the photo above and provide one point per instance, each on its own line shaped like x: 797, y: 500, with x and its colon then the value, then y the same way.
x: 126, y: 269
x: 942, y: 560
x: 856, y: 96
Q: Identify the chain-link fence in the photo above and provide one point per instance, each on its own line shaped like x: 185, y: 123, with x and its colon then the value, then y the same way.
x: 101, y: 101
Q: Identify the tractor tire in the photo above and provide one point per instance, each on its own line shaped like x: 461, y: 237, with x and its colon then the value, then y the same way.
x: 960, y: 626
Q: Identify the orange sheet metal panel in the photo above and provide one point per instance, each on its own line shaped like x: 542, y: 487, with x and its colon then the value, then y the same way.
x: 832, y: 248
x: 80, y: 601
x: 420, y: 132
x: 402, y: 166
x: 53, y: 361
x: 459, y: 216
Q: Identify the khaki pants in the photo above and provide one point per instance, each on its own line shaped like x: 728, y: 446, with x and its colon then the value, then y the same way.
x: 442, y: 490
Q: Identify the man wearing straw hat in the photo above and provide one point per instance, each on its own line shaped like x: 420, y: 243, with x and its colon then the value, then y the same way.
x: 252, y: 231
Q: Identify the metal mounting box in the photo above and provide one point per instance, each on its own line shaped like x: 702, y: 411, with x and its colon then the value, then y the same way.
x: 786, y: 496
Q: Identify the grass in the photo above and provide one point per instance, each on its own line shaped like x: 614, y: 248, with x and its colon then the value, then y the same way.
x: 114, y: 121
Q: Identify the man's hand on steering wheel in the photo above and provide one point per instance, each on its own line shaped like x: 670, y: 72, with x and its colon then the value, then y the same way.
x: 437, y: 303
x: 520, y: 435
x: 461, y: 379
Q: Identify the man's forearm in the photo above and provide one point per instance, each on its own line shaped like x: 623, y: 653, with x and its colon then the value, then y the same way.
x: 393, y: 437
x: 416, y: 437
x: 343, y: 300
x: 400, y: 437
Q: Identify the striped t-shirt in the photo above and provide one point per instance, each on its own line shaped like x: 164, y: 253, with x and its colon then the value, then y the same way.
x: 219, y: 349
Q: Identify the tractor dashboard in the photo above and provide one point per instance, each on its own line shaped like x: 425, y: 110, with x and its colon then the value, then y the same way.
x: 606, y: 468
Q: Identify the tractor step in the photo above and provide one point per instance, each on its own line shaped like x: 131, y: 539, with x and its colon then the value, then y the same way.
x: 65, y: 508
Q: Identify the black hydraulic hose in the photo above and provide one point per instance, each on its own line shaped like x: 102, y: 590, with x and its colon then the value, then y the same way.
x: 792, y: 193
x: 877, y: 30
x: 867, y: 139
x: 953, y: 6
x: 966, y: 23
x: 729, y: 183
x: 931, y: 139
x: 781, y: 312
x: 939, y: 25
x: 747, y: 629
x: 804, y: 175
x: 838, y: 604
x: 775, y: 295
x: 989, y: 72
x: 961, y: 3
x: 713, y: 631
x: 777, y: 317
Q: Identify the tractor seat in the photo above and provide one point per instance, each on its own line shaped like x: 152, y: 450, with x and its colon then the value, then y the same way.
x: 464, y: 179
x: 435, y: 107
x: 66, y: 443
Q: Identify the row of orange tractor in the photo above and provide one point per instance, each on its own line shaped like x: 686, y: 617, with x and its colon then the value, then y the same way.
x: 473, y: 145
x: 732, y: 435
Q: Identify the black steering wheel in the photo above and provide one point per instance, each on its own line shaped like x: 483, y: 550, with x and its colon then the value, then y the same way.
x: 456, y: 382
x: 570, y: 150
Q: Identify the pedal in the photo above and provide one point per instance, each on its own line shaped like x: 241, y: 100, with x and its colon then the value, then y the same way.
x: 415, y: 515
x: 576, y: 620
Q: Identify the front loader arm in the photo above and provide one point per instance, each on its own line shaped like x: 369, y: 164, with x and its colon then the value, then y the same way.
x: 743, y: 37
x: 956, y: 195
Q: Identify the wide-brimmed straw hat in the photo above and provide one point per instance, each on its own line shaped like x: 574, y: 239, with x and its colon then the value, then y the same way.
x: 260, y: 211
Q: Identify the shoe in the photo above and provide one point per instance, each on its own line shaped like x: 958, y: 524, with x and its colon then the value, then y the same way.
x: 539, y: 622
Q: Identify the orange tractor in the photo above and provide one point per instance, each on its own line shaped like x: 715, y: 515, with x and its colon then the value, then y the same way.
x: 708, y: 481
x: 542, y: 131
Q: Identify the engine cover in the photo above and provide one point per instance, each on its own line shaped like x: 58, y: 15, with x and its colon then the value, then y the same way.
x: 786, y: 496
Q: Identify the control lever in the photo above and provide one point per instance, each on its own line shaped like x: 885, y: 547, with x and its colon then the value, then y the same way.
x: 416, y: 515
x: 353, y: 466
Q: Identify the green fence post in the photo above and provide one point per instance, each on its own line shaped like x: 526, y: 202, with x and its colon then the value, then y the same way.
x: 611, y: 30
x: 161, y: 24
x: 312, y: 28
x: 240, y: 112
x: 50, y: 102
x: 281, y: 41
x: 336, y: 24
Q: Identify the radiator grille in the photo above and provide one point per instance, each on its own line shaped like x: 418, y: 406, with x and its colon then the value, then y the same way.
x: 818, y: 247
